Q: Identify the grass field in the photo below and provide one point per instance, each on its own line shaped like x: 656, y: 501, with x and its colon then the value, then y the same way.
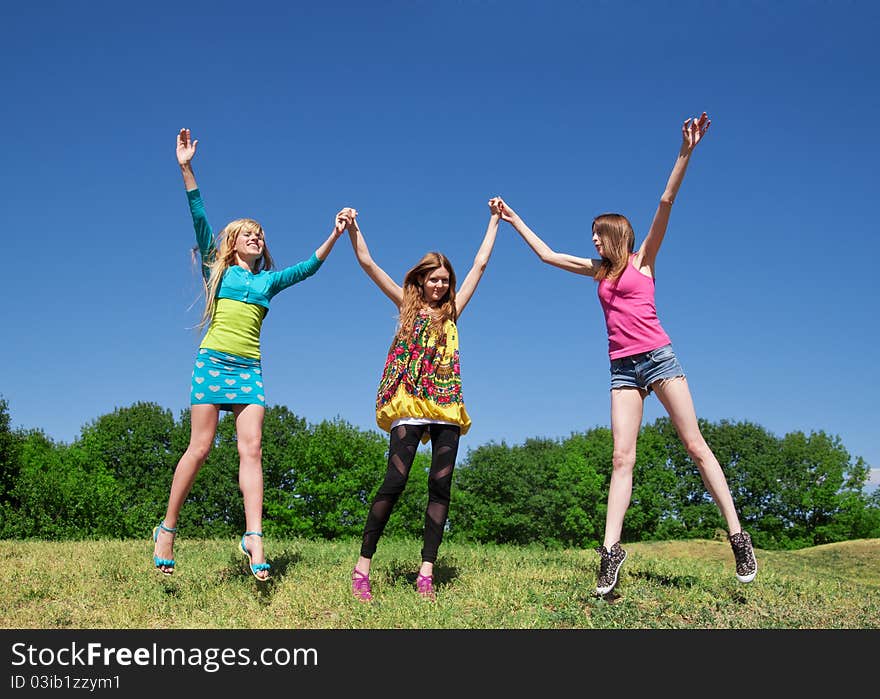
x: 663, y: 585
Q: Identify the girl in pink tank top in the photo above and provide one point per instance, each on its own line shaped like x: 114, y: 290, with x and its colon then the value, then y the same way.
x: 642, y: 360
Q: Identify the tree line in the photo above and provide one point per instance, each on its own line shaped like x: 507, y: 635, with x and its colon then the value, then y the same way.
x: 791, y: 492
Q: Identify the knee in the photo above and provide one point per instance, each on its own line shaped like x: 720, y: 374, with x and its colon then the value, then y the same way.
x: 199, y: 450
x: 697, y: 449
x: 393, y: 485
x: 623, y: 460
x: 250, y: 449
x: 439, y: 489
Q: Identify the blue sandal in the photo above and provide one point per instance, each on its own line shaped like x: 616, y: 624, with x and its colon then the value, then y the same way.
x: 255, y: 567
x: 163, y: 562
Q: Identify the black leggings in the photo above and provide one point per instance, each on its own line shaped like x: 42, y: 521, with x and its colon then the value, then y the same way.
x: 401, y: 454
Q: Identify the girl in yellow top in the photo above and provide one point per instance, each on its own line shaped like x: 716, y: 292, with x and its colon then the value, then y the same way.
x: 419, y: 397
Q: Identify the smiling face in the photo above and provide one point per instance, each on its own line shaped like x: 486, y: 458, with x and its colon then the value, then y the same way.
x: 249, y: 246
x: 241, y: 242
x: 435, y: 286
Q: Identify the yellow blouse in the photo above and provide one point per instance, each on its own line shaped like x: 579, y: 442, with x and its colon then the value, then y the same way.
x: 422, y: 378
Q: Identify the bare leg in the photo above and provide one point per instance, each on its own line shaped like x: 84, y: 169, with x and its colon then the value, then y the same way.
x: 249, y: 435
x: 675, y: 396
x: 627, y: 405
x: 203, y: 427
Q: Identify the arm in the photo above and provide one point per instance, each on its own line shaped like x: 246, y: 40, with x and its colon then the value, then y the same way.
x: 385, y: 283
x: 570, y: 263
x: 342, y: 219
x: 466, y: 290
x: 302, y: 270
x: 692, y: 131
x: 186, y: 150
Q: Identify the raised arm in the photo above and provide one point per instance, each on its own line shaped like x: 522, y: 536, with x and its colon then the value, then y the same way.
x: 305, y: 269
x: 385, y: 283
x: 186, y: 149
x: 692, y: 132
x: 466, y: 289
x: 341, y: 221
x: 579, y: 265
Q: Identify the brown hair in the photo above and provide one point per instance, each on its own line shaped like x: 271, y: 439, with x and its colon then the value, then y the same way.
x: 413, y: 301
x: 618, y: 240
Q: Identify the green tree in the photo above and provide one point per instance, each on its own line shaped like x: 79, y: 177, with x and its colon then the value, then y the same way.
x: 63, y: 493
x: 135, y: 444
x: 542, y: 491
x: 813, y: 487
x: 9, y: 456
x: 580, y: 481
x: 326, y: 477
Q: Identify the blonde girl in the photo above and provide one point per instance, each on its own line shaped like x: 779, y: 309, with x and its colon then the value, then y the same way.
x: 227, y: 374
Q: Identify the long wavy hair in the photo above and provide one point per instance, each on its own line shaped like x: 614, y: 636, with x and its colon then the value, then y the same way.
x: 413, y: 301
x: 618, y: 240
x: 224, y: 257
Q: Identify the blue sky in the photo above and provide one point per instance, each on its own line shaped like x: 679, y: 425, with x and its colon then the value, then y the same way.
x: 416, y: 113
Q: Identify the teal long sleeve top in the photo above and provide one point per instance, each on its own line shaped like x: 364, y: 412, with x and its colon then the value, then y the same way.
x: 242, y: 299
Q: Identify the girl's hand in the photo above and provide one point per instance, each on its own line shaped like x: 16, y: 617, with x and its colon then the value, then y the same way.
x: 186, y: 147
x: 504, y: 211
x: 345, y: 220
x: 693, y: 130
x: 351, y: 216
x: 342, y: 221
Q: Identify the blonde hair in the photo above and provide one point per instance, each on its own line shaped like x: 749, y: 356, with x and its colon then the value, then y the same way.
x: 224, y: 257
x: 413, y: 301
x: 618, y: 240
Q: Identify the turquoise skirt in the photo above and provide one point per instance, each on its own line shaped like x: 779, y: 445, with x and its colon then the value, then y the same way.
x: 224, y: 379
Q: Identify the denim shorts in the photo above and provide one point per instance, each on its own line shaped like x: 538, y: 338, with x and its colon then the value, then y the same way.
x: 641, y: 370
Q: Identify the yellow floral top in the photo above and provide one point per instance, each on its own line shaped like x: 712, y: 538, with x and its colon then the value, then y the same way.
x: 422, y: 378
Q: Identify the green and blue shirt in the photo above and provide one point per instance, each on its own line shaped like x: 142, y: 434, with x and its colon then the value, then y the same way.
x: 243, y: 297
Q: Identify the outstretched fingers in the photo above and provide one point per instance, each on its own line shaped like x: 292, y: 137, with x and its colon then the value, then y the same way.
x: 694, y: 128
x: 703, y: 125
x: 186, y: 146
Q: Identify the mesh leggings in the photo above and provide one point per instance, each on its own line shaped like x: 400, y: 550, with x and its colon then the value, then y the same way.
x: 401, y: 454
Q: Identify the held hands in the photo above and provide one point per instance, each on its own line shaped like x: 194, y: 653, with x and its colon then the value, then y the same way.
x: 497, y: 207
x: 693, y: 130
x: 186, y: 147
x: 345, y: 219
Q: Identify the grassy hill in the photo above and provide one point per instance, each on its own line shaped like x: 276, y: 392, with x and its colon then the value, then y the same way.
x: 663, y: 585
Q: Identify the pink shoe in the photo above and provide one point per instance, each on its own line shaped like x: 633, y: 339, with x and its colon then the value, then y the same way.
x: 360, y: 586
x: 425, y: 586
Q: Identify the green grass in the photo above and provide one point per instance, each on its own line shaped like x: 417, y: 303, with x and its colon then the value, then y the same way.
x: 663, y: 585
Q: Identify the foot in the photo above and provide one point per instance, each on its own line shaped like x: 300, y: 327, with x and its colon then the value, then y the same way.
x: 163, y: 548
x: 252, y: 545
x: 609, y: 568
x: 746, y: 564
x: 425, y: 586
x: 360, y: 586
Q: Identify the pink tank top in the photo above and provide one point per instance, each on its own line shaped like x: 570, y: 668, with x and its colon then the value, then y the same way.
x: 631, y: 314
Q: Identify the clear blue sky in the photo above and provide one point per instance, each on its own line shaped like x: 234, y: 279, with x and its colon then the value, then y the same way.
x: 416, y: 113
